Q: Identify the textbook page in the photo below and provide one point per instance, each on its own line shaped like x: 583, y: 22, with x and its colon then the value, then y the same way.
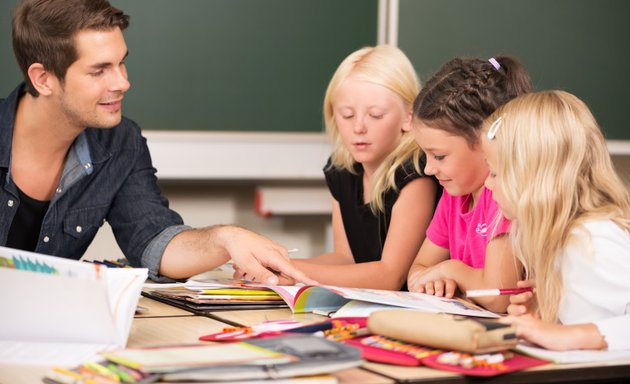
x: 301, y: 298
x: 313, y: 298
x: 66, y: 304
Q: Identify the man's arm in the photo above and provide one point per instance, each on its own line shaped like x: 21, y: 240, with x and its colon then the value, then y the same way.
x: 199, y: 250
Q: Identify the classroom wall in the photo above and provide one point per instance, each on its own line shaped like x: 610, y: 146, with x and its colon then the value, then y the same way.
x: 206, y: 203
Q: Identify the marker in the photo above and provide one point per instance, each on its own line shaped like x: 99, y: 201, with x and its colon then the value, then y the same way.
x: 496, y: 292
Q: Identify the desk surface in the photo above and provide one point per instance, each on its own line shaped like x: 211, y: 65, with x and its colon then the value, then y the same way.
x: 582, y: 373
x: 162, y: 325
x: 154, y: 308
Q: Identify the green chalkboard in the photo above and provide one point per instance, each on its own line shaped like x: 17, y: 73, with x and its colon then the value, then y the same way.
x: 228, y: 65
x: 580, y: 46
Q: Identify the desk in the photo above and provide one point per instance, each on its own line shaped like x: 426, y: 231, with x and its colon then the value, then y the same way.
x: 168, y: 325
x: 162, y: 324
x: 154, y: 308
x: 246, y: 318
x: 582, y: 373
x: 614, y: 372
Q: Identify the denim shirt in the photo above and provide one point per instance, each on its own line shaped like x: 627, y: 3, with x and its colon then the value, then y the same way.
x: 108, y: 175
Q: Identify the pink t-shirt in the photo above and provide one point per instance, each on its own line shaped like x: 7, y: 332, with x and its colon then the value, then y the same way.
x: 467, y: 233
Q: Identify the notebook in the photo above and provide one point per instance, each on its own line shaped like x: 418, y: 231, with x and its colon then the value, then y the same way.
x: 60, y: 311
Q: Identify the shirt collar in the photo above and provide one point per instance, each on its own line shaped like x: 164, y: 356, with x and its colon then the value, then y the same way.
x: 7, y: 120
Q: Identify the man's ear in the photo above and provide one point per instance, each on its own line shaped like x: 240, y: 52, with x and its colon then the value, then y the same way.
x: 407, y: 124
x: 41, y: 79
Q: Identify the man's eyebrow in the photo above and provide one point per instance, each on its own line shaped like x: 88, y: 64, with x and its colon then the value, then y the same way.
x: 107, y: 64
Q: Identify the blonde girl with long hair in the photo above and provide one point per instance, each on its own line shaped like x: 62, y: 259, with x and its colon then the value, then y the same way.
x: 382, y: 202
x: 552, y: 175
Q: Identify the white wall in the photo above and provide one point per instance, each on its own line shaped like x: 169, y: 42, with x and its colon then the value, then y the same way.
x: 207, y: 203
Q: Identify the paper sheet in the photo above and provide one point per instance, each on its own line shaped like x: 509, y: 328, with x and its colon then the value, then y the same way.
x: 66, y: 305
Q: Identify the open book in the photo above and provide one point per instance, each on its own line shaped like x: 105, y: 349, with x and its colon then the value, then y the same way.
x: 327, y: 298
x: 60, y: 311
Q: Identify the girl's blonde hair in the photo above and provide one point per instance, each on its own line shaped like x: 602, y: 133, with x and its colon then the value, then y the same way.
x: 389, y: 67
x: 555, y: 173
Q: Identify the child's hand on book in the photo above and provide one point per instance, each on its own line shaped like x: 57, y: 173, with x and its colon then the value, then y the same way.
x: 432, y: 282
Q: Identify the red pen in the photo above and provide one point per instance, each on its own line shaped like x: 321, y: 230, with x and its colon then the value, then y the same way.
x: 497, y: 292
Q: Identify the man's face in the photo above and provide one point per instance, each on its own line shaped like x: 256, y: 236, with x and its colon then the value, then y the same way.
x: 92, y: 91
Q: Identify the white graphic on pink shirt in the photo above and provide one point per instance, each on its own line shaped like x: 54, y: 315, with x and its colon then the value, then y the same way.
x: 482, y: 229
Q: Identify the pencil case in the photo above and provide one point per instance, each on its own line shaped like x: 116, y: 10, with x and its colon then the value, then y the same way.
x: 443, y: 331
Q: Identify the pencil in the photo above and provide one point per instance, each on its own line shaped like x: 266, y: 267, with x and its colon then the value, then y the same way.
x: 496, y: 292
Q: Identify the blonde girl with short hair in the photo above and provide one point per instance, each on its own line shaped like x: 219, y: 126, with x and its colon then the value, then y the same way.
x: 552, y: 175
x: 382, y: 202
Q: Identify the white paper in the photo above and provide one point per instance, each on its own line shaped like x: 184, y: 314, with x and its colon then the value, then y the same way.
x: 78, y: 306
x: 330, y: 298
x: 574, y: 356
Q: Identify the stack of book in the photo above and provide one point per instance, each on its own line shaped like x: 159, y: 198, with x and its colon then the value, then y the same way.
x: 275, y: 357
x: 216, y: 296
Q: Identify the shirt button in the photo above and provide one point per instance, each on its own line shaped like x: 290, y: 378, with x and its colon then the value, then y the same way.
x: 58, y: 190
x: 87, y: 165
x: 79, y: 229
x: 10, y: 203
x: 46, y: 239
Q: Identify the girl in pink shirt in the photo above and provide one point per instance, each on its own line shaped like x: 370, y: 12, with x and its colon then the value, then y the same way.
x: 466, y: 247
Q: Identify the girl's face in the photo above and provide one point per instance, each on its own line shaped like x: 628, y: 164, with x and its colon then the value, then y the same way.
x: 371, y: 120
x: 493, y: 182
x: 460, y: 169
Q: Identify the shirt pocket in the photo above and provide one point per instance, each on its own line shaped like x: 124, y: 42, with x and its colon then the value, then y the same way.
x: 83, y: 222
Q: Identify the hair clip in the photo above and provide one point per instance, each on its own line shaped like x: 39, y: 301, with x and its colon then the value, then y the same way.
x: 492, y: 132
x: 494, y: 63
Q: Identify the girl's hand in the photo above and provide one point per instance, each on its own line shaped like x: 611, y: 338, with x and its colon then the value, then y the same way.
x: 441, y: 288
x: 524, y: 303
x: 431, y: 281
x: 554, y: 336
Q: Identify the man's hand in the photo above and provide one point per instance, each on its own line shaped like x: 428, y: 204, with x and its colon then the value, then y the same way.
x: 259, y: 259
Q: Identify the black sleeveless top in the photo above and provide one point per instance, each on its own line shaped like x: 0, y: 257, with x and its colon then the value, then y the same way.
x: 366, y: 232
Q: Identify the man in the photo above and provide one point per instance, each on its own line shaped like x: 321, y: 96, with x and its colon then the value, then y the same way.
x: 69, y: 160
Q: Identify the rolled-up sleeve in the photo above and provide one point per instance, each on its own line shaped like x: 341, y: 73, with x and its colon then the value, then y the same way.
x: 152, y: 255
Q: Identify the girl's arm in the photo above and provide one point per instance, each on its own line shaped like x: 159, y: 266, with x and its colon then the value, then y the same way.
x: 501, y: 270
x: 413, y: 210
x: 558, y: 336
x: 429, y: 256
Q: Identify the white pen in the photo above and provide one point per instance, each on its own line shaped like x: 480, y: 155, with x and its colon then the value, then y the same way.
x: 496, y: 292
x: 292, y: 250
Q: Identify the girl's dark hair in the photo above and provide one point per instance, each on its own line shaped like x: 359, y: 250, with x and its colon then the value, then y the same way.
x: 467, y: 90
